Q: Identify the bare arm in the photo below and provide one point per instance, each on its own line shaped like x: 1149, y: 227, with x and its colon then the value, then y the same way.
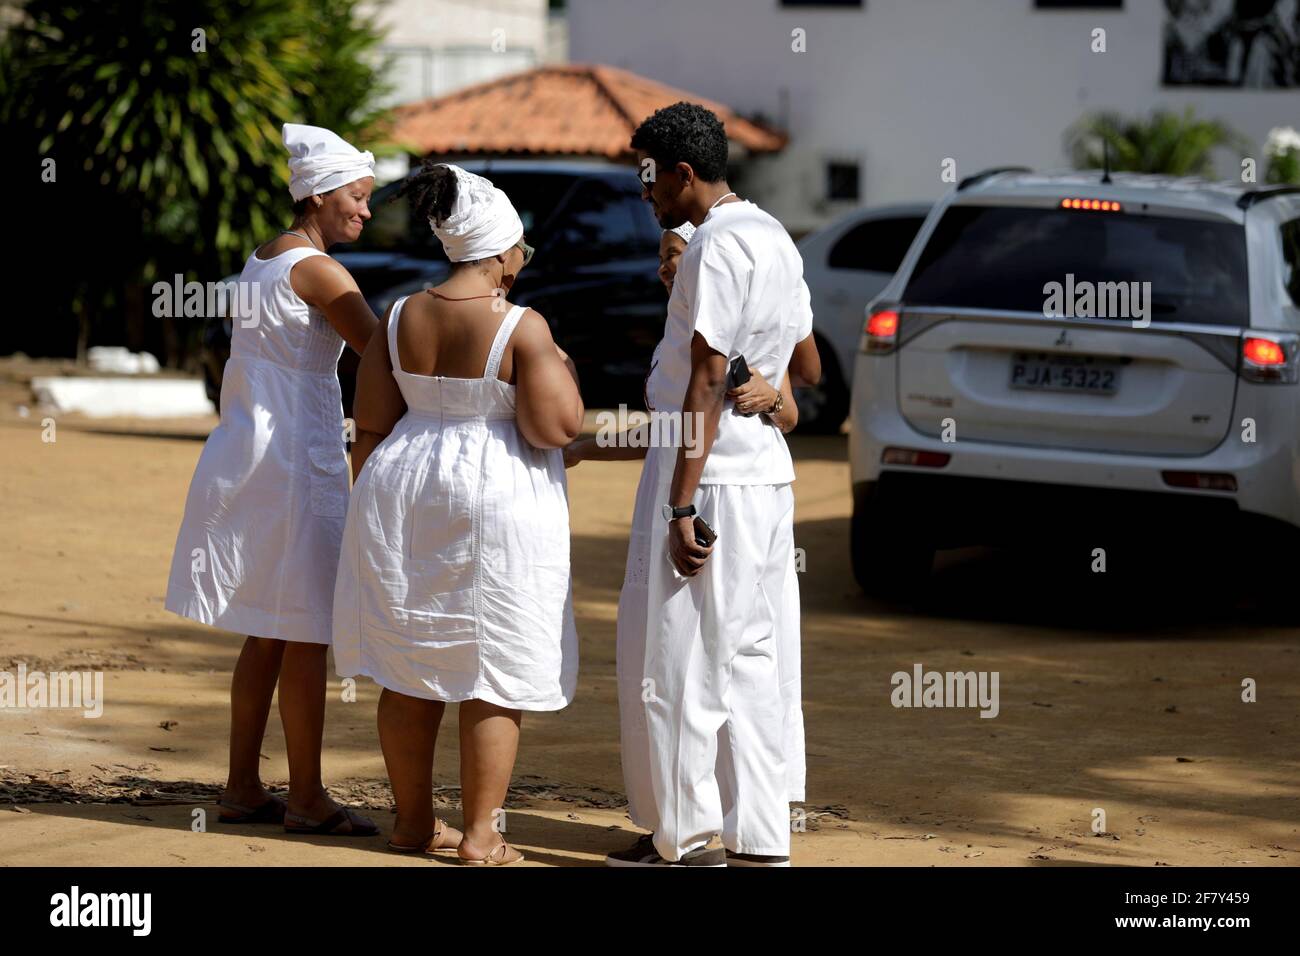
x: 788, y: 416
x: 757, y: 396
x: 806, y: 363
x: 378, y: 403
x: 705, y: 394
x: 323, y: 283
x: 621, y: 449
x: 549, y: 409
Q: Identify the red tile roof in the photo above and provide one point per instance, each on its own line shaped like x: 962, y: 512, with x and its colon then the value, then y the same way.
x: 586, y: 110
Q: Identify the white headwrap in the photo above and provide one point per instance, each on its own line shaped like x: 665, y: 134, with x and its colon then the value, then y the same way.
x: 684, y: 231
x: 482, y: 224
x: 320, y: 161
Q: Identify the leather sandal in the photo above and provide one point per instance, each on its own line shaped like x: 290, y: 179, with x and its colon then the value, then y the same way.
x: 270, y: 812
x: 331, y: 825
x: 433, y: 844
x: 496, y: 856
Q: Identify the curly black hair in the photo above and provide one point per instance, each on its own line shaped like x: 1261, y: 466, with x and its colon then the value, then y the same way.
x: 685, y: 133
x: 432, y: 189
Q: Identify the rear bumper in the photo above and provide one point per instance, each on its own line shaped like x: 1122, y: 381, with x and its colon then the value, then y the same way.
x: 951, y: 511
x: 1267, y: 470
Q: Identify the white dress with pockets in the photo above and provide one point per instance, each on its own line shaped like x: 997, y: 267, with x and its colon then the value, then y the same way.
x: 259, y: 544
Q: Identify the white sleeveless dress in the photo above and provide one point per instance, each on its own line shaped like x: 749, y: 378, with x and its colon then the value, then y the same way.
x: 453, y: 582
x: 258, y: 546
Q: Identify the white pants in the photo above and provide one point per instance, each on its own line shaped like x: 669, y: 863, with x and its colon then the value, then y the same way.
x: 716, y: 721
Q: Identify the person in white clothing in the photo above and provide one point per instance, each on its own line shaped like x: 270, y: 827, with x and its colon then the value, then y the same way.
x: 258, y: 547
x: 634, y: 745
x: 453, y: 583
x: 716, y: 716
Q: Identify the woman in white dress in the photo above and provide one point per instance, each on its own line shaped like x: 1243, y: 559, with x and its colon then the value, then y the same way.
x: 258, y: 548
x: 453, y: 583
x: 633, y: 599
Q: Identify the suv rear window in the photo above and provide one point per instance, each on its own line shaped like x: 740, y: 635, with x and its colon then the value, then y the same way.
x: 1002, y: 257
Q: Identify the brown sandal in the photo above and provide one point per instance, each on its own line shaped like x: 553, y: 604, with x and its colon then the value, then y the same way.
x: 431, y: 845
x: 331, y: 825
x: 496, y: 856
x: 272, y: 811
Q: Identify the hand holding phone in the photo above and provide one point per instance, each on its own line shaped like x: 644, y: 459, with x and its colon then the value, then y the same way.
x: 737, y: 372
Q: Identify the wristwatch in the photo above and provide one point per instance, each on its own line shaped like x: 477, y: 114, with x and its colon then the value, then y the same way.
x: 777, y: 405
x: 672, y: 514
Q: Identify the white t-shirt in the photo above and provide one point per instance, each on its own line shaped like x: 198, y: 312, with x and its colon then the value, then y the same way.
x: 740, y: 285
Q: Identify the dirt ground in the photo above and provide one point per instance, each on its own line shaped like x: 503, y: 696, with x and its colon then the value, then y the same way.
x: 1133, y: 708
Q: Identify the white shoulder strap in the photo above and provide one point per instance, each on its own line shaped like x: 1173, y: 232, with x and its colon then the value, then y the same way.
x: 502, y: 339
x: 392, y: 333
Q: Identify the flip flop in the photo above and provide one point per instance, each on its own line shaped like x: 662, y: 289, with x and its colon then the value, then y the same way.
x: 431, y: 846
x: 270, y: 812
x: 496, y: 857
x: 331, y: 824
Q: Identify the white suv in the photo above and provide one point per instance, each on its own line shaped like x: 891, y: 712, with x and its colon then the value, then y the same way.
x: 1059, y: 353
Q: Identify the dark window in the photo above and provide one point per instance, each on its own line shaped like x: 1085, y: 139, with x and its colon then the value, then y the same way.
x: 842, y: 181
x: 1291, y: 255
x: 1001, y: 257
x: 390, y: 222
x: 598, y: 224
x: 394, y: 226
x: 877, y: 245
x: 647, y: 226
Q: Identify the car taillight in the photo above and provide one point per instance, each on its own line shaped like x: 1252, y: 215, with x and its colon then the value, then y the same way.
x: 1096, y: 205
x: 1263, y: 352
x: 1200, y: 480
x: 914, y: 456
x: 1270, y: 360
x: 881, y: 331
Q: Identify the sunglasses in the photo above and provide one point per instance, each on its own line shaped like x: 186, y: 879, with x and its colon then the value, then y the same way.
x: 527, y: 250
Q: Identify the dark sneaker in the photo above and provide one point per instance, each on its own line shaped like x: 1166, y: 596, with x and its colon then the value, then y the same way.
x: 643, y: 853
x: 755, y: 859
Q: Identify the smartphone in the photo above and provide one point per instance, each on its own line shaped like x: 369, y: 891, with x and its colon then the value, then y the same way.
x: 704, y: 535
x: 737, y: 372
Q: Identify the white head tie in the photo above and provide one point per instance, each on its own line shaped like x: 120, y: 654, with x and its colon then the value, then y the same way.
x: 684, y: 231
x: 482, y: 223
x: 320, y: 161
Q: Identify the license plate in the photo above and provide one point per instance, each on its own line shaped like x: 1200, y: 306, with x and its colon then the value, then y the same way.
x: 1047, y: 372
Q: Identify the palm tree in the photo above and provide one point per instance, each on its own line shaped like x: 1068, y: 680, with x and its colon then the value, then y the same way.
x: 163, y: 117
x: 1170, y: 143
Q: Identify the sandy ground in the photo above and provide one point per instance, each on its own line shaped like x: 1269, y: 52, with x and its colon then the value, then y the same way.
x: 1133, y: 709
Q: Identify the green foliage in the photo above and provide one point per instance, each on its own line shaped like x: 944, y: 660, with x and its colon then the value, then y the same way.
x: 169, y: 139
x: 1169, y: 143
x: 1284, y: 168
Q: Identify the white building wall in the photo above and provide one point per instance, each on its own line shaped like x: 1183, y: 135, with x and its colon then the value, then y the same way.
x: 899, y: 85
x: 436, y: 46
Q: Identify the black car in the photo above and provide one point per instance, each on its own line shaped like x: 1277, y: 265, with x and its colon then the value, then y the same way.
x: 594, y: 275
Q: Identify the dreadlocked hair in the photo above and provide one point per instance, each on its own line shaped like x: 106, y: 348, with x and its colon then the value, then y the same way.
x: 432, y: 190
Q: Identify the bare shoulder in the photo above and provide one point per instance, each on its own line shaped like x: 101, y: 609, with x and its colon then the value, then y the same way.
x: 322, y: 269
x: 532, y: 332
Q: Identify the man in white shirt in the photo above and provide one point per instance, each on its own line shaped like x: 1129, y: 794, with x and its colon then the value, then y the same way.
x: 717, y: 725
